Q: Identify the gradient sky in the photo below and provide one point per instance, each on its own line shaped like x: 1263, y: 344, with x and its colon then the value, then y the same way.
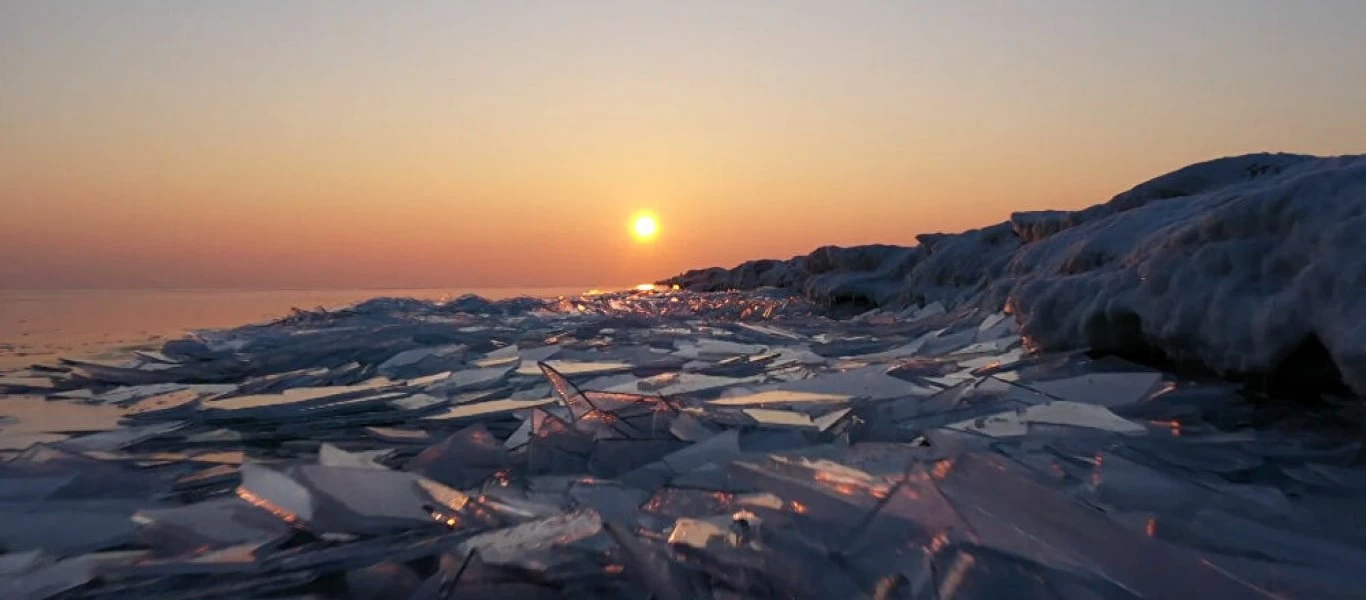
x: 206, y: 143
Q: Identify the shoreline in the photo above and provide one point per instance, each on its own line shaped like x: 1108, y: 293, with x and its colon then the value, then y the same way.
x: 1248, y: 266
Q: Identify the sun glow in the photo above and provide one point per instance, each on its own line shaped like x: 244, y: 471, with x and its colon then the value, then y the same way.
x: 644, y: 227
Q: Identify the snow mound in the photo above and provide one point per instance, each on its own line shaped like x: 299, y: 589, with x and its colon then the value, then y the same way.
x: 1247, y: 264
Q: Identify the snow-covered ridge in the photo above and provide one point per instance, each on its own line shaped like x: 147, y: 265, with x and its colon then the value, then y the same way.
x: 1244, y: 264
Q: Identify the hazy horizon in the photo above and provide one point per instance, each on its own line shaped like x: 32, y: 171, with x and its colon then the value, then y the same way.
x: 225, y: 288
x: 358, y: 145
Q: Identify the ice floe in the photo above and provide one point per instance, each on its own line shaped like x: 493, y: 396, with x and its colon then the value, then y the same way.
x: 668, y: 444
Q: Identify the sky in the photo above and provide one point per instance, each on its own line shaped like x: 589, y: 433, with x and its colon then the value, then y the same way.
x: 333, y: 143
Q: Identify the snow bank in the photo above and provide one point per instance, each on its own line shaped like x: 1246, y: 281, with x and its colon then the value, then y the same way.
x: 1242, y: 264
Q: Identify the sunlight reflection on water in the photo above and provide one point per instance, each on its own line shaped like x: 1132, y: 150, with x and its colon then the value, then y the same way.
x: 41, y: 325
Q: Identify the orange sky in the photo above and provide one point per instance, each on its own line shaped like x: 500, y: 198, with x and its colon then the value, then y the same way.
x: 358, y: 144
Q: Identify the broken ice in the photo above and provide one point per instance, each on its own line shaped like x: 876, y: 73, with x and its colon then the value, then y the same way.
x: 669, y: 444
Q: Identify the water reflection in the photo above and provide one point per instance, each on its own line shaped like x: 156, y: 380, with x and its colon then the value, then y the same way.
x: 41, y: 325
x: 32, y: 420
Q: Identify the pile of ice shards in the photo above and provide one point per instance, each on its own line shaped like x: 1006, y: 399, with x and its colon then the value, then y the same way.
x: 667, y: 445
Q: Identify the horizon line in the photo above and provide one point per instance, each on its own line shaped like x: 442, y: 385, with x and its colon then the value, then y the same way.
x: 301, y: 288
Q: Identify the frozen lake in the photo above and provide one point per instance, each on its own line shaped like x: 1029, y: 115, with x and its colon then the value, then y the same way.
x: 666, y: 445
x: 41, y: 325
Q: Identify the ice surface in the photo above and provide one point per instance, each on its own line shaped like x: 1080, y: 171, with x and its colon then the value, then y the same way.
x: 779, y: 418
x: 666, y: 444
x: 276, y: 493
x: 215, y: 523
x: 118, y: 438
x: 477, y: 409
x: 870, y: 382
x: 332, y: 456
x: 524, y: 543
x: 1060, y: 412
x: 464, y: 459
x: 574, y: 368
x: 779, y: 397
x: 471, y: 379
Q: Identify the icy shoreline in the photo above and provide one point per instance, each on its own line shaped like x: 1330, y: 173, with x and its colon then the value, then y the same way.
x: 663, y: 444
x: 739, y: 444
x: 1248, y: 265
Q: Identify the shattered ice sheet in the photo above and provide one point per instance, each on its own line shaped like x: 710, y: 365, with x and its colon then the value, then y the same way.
x: 663, y: 444
x: 1072, y: 414
x: 529, y: 367
x: 779, y: 397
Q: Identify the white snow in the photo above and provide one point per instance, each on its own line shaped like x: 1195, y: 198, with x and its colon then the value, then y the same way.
x: 1234, y: 263
x: 1236, y: 277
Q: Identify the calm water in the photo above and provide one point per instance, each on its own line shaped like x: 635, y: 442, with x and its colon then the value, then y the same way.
x: 40, y: 326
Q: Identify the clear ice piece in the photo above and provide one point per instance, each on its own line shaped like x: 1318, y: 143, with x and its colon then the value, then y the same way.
x: 528, y: 544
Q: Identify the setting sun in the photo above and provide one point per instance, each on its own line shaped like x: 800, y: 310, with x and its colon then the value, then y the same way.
x: 644, y: 227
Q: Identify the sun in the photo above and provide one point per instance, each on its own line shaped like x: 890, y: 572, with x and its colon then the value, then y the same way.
x: 644, y: 227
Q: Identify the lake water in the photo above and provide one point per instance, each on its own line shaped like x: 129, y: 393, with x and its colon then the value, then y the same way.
x: 43, y: 325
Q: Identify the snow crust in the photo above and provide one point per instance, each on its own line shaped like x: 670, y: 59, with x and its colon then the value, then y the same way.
x: 1239, y: 264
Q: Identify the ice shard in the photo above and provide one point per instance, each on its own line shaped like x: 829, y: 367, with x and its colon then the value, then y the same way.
x: 668, y: 444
